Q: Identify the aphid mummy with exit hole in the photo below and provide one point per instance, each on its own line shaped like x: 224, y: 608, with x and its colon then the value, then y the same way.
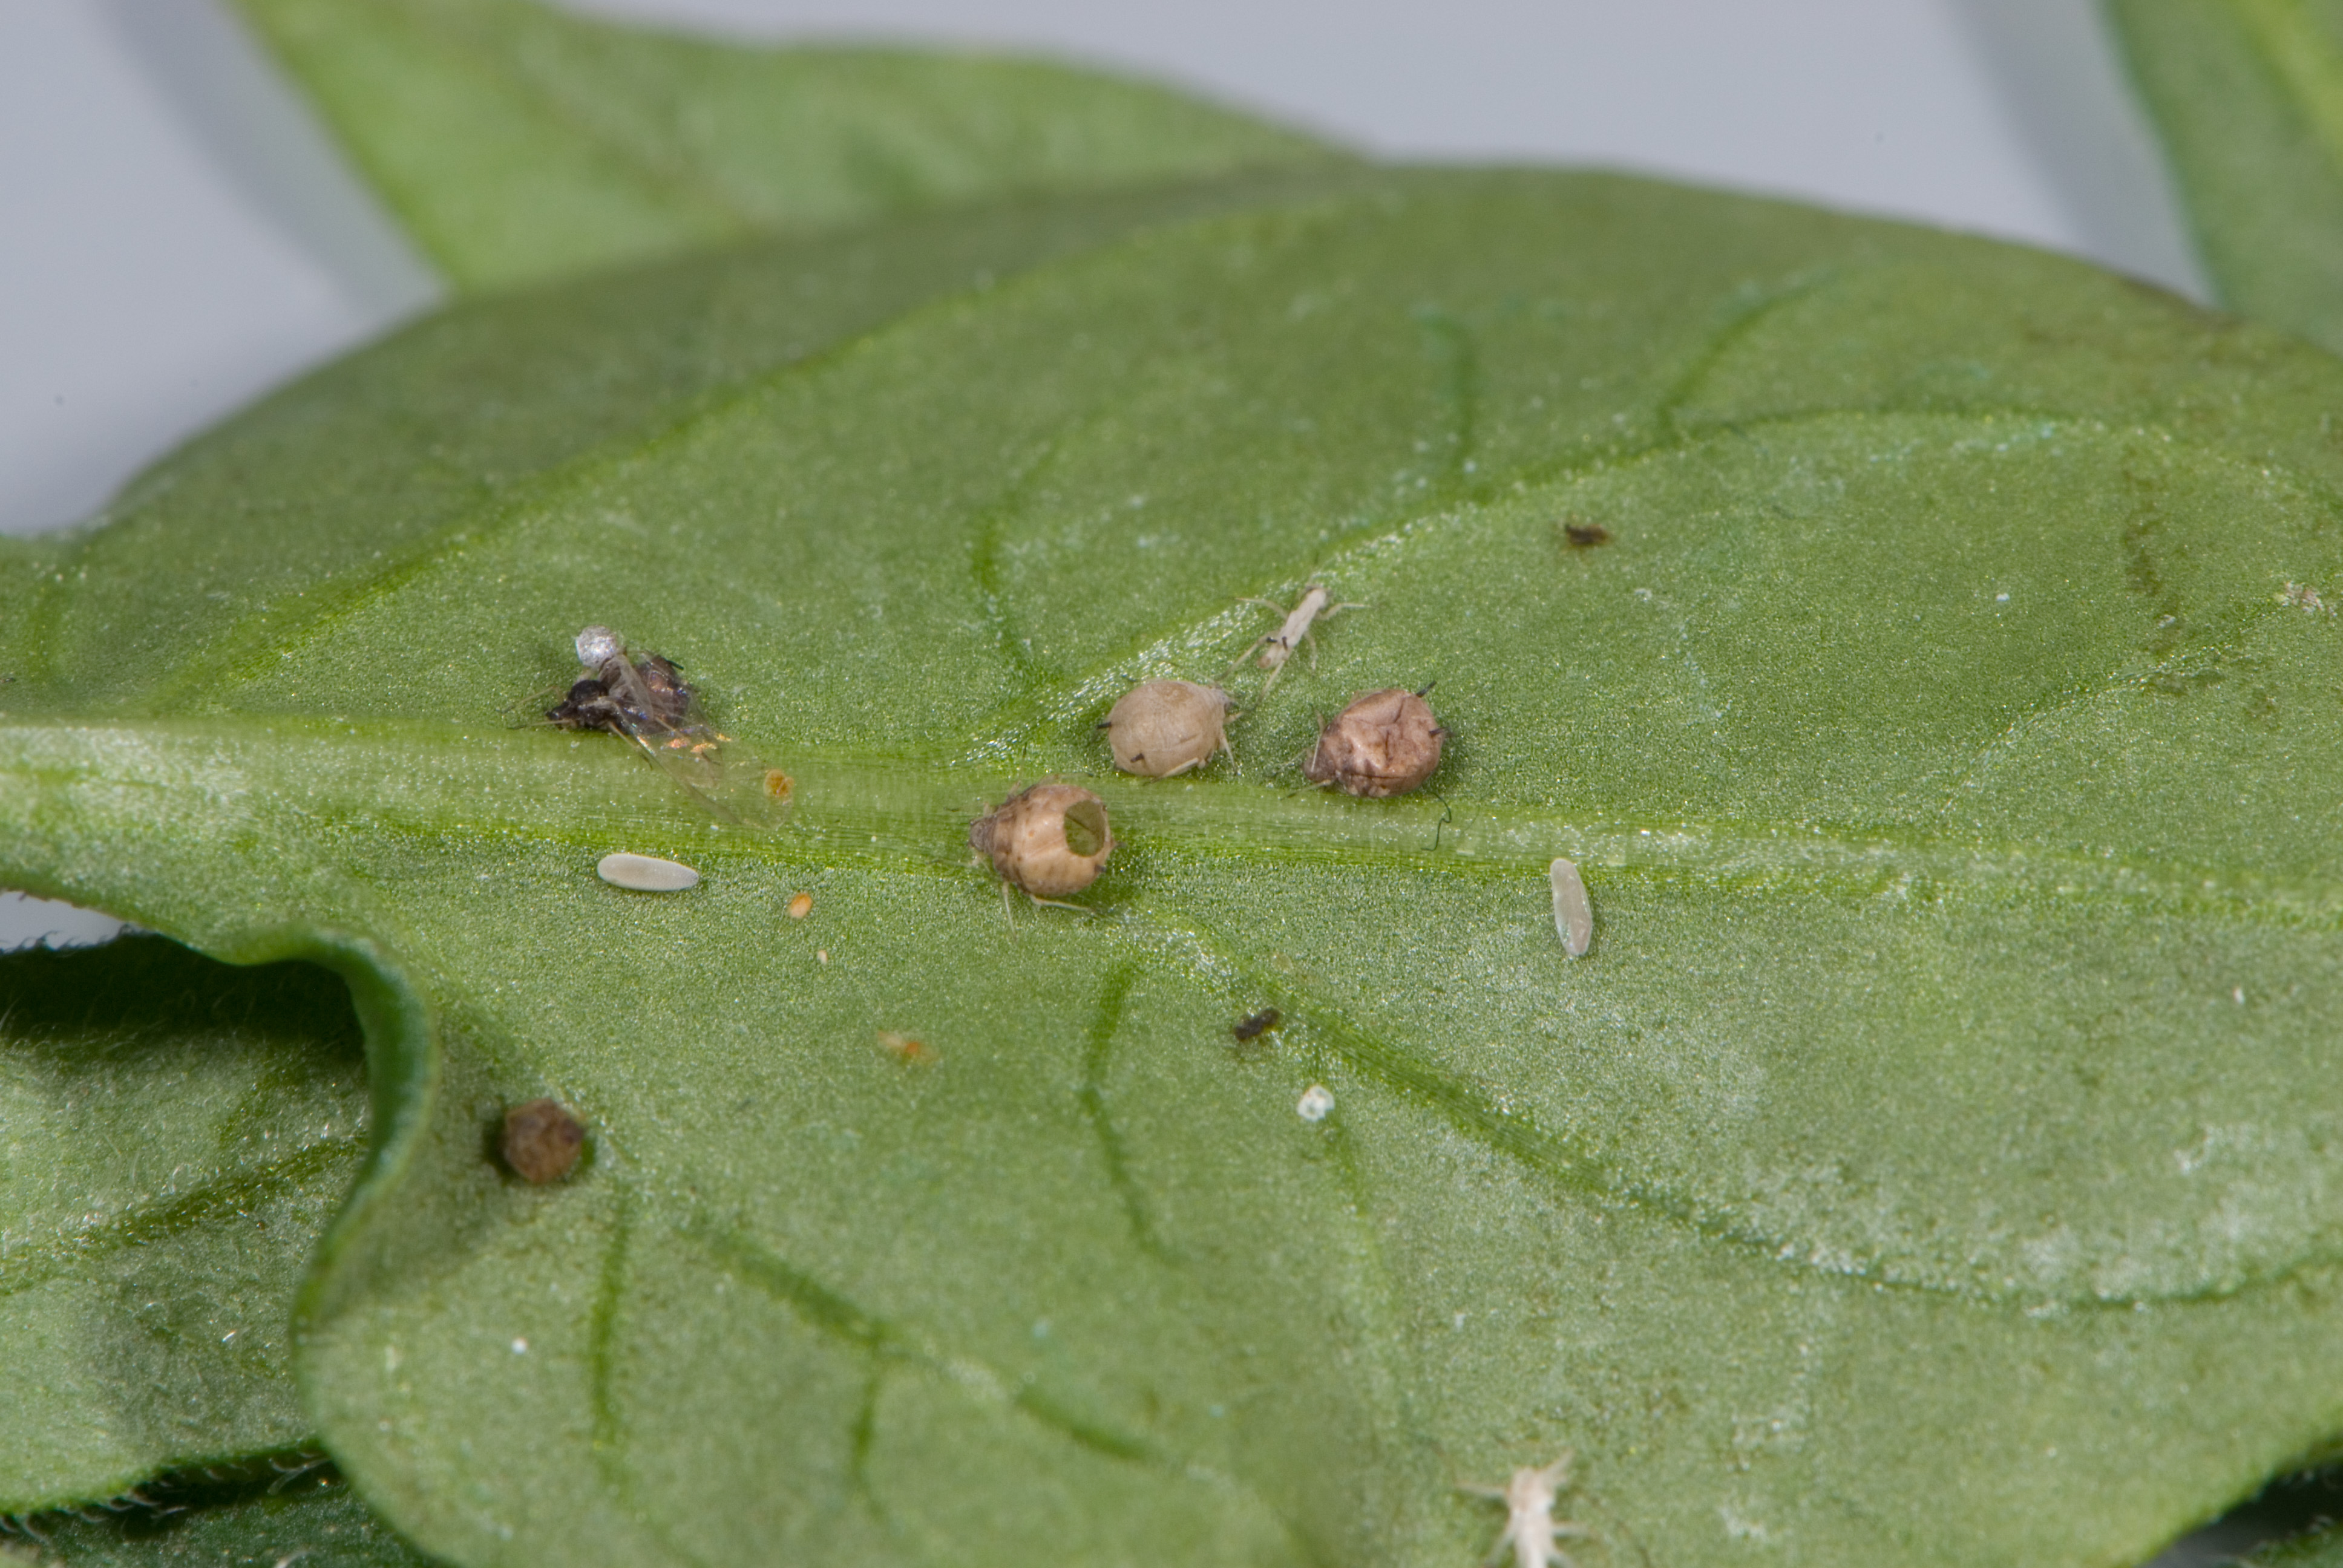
x: 1278, y: 646
x: 1531, y: 1528
x: 1046, y: 841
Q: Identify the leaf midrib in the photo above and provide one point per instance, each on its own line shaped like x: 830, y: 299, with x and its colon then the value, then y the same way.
x: 904, y: 813
x: 898, y: 816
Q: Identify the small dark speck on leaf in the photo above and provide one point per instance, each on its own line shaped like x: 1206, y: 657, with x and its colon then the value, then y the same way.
x: 1583, y: 535
x: 541, y: 1140
x: 1259, y: 1024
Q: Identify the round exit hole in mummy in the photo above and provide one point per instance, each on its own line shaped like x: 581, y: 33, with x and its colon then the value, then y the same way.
x: 1047, y: 840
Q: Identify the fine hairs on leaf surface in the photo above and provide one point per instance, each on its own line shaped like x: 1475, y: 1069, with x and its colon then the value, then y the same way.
x: 2319, y: 1549
x: 178, y: 1133
x: 1905, y: 1143
x: 1918, y: 1170
x: 2248, y: 96
x: 453, y: 416
x: 264, y: 1510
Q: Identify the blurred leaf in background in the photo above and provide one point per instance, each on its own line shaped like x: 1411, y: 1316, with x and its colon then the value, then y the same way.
x: 518, y: 143
x: 2248, y: 98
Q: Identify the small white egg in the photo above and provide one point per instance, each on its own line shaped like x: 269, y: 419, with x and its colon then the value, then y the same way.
x: 646, y: 873
x: 1574, y: 916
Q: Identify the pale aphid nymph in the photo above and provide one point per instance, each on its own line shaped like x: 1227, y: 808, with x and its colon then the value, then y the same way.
x: 1277, y: 647
x: 1531, y: 1529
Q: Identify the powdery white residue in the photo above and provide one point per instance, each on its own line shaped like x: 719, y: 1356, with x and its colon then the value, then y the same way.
x: 1574, y: 916
x: 1315, y: 1102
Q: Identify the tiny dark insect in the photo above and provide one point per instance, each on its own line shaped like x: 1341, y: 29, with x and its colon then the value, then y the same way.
x: 1582, y: 534
x: 1259, y: 1024
x: 643, y: 697
x: 541, y: 1140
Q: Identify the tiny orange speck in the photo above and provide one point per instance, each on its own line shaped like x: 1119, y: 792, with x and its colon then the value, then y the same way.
x: 801, y: 906
x: 904, y: 1049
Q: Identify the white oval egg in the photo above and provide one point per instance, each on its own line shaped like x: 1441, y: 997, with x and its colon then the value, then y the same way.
x: 1574, y: 915
x: 646, y: 873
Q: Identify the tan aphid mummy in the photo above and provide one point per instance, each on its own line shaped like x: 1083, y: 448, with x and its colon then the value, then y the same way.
x: 1047, y: 841
x: 1574, y: 915
x: 1385, y: 743
x: 646, y: 873
x: 1167, y: 726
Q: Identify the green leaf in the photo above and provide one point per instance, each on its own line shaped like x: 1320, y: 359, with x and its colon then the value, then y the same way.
x: 518, y: 143
x: 2248, y: 95
x: 248, y: 536
x: 1920, y: 1166
x: 2319, y: 1549
x: 265, y: 1512
x: 223, y: 546
x: 179, y: 1134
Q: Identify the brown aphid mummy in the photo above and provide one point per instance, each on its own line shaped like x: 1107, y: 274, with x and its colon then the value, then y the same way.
x: 1046, y: 842
x: 1167, y: 726
x: 1384, y: 744
x: 541, y: 1140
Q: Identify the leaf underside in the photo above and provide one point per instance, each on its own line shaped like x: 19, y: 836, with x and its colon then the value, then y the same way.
x: 518, y: 143
x: 2319, y: 1549
x: 459, y: 414
x: 179, y: 1134
x: 1916, y: 1169
x: 271, y: 1510
x: 2248, y: 96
